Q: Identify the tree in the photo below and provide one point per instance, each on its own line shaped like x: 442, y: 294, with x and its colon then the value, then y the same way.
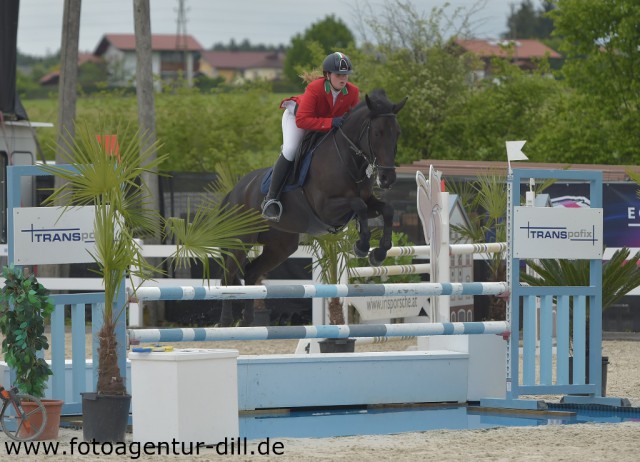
x: 408, y: 53
x: 245, y: 45
x: 514, y: 104
x: 330, y: 34
x: 528, y: 22
x: 600, y: 41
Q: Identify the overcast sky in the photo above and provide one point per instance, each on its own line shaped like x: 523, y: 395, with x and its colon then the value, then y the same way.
x: 212, y: 21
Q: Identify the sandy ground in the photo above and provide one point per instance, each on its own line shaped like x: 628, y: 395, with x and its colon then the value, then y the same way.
x: 582, y: 442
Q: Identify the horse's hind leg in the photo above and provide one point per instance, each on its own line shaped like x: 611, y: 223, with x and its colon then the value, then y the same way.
x: 276, y: 249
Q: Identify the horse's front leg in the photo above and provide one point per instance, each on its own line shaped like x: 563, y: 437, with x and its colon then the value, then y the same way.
x: 362, y: 245
x: 377, y: 256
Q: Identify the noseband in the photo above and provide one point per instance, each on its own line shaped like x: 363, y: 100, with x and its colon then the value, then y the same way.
x: 369, y: 157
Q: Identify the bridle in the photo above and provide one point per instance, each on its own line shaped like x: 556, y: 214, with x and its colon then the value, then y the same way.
x: 370, y: 157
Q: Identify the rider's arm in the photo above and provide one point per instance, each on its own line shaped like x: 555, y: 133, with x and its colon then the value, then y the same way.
x: 314, y: 108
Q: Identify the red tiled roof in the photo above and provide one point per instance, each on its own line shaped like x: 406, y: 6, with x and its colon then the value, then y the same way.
x: 53, y: 77
x: 87, y: 57
x: 243, y: 59
x: 159, y: 42
x: 523, y: 49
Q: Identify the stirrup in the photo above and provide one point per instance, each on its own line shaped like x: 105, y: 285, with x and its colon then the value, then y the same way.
x: 268, y: 203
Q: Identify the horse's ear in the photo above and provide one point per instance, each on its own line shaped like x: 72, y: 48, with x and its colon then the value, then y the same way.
x: 366, y: 98
x: 400, y: 105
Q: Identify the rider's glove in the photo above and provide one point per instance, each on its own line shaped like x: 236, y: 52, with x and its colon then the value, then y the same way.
x: 337, y: 122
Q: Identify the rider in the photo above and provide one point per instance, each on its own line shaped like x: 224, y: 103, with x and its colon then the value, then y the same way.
x: 320, y: 108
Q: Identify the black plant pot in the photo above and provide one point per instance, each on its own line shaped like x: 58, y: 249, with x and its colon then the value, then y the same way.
x: 262, y: 317
x: 337, y: 345
x: 105, y: 417
x: 605, y: 364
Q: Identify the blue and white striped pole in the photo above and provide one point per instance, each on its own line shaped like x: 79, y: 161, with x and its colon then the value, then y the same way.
x: 318, y: 291
x: 322, y: 331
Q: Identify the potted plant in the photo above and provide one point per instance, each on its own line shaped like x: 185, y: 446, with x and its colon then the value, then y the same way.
x: 25, y: 307
x: 113, y: 184
x: 620, y: 275
x: 331, y: 253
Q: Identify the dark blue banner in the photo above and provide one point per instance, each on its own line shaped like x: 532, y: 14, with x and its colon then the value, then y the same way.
x: 621, y: 207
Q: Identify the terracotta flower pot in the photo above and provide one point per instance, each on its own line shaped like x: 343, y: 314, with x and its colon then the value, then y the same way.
x: 51, y: 428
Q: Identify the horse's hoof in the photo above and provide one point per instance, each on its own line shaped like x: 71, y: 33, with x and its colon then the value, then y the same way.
x: 376, y: 257
x: 359, y: 252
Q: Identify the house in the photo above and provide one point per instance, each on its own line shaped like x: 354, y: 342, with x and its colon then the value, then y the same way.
x: 53, y: 77
x: 171, y: 56
x: 235, y: 66
x: 524, y: 53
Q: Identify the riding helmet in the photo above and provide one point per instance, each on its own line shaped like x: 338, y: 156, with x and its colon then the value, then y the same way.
x: 337, y: 63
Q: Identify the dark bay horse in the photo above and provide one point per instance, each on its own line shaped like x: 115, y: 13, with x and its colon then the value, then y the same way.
x: 338, y: 188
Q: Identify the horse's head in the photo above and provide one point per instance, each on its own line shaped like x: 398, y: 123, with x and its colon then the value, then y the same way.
x: 381, y: 129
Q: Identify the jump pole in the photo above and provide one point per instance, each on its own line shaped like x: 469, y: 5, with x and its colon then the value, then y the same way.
x: 422, y: 250
x: 318, y: 291
x: 207, y: 334
x: 454, y: 249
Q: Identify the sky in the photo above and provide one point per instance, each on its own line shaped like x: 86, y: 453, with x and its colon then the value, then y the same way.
x: 269, y: 22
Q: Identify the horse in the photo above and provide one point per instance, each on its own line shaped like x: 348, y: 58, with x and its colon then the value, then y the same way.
x: 338, y: 188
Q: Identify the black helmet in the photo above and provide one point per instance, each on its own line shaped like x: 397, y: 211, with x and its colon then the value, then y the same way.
x: 337, y: 63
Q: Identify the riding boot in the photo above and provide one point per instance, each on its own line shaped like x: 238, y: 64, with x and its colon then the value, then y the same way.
x: 271, y: 206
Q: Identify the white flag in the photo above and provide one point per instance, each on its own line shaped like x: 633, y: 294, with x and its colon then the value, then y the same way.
x: 514, y: 150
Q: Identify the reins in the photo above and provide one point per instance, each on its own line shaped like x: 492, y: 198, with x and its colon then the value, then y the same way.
x: 370, y: 158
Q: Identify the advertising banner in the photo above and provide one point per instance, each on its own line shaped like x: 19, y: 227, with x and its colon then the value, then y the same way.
x: 46, y: 235
x: 621, y: 209
x: 373, y: 308
x: 557, y: 232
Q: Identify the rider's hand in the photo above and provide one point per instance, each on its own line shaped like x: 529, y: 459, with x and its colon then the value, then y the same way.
x: 337, y: 122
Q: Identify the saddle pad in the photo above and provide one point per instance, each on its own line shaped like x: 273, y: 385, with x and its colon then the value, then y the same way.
x: 290, y: 185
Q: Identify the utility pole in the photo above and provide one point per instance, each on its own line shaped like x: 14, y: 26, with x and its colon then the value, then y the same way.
x: 147, y: 113
x: 182, y: 45
x: 144, y: 90
x: 67, y: 96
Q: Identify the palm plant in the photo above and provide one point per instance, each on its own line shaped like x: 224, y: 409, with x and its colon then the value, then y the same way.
x: 331, y: 256
x: 486, y: 201
x: 620, y: 275
x: 112, y: 183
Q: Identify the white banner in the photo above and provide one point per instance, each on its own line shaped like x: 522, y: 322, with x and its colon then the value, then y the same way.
x: 557, y: 232
x: 46, y: 235
x: 373, y: 308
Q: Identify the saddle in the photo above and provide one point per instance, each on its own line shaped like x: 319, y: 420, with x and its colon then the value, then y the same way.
x: 301, y: 165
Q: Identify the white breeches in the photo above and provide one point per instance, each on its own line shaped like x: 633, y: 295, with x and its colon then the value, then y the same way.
x: 291, y: 134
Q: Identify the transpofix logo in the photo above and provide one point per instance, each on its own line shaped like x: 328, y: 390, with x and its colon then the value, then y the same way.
x: 55, y: 235
x: 560, y: 233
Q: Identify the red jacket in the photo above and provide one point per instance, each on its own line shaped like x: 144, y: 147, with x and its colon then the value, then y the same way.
x: 316, y: 109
